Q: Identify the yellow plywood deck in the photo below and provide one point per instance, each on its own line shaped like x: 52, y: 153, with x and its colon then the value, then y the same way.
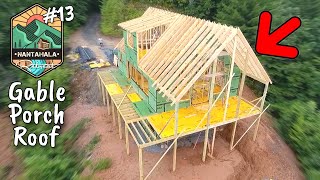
x: 134, y: 97
x: 114, y: 89
x: 190, y: 117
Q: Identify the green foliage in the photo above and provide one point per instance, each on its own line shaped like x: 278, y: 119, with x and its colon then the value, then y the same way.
x: 242, y: 14
x: 111, y: 15
x: 4, y: 171
x: 93, y: 142
x: 102, y: 164
x: 295, y: 91
x: 61, y: 162
x: 114, y: 12
x: 300, y: 127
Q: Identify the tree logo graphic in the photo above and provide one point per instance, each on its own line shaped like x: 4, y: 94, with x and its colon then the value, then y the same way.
x: 36, y: 46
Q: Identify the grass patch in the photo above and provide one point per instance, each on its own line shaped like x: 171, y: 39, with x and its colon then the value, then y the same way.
x: 4, y: 171
x: 93, y: 142
x: 102, y: 164
x: 62, y: 162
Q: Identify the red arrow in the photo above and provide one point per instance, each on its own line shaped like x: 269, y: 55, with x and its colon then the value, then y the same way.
x: 268, y: 43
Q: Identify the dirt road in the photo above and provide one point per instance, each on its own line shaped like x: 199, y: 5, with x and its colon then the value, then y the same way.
x: 89, y: 34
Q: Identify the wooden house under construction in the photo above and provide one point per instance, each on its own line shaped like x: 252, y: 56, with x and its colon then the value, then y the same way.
x: 179, y: 75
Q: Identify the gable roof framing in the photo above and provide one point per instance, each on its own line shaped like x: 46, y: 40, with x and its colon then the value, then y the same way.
x: 187, y: 48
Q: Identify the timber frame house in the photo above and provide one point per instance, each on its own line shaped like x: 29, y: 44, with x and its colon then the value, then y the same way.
x: 179, y: 75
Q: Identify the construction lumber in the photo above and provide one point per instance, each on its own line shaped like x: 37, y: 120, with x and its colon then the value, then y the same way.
x: 108, y: 102
x: 140, y: 164
x: 212, y: 82
x: 174, y: 164
x: 203, y: 67
x: 261, y: 107
x: 175, y: 140
x: 119, y: 125
x: 229, y: 86
x: 243, y: 78
x: 213, y: 140
x: 113, y: 113
x: 127, y: 138
x: 257, y: 119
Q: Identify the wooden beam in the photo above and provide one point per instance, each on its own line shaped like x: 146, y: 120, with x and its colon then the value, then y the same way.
x: 211, y: 91
x: 99, y: 83
x: 159, y: 54
x: 213, y: 140
x: 127, y: 139
x: 202, y: 69
x: 119, y: 125
x: 113, y: 113
x: 261, y: 107
x: 137, y: 132
x: 108, y: 103
x: 243, y: 78
x: 174, y: 74
x: 144, y: 131
x: 132, y: 134
x: 176, y: 43
x: 229, y: 86
x: 175, y: 140
x: 253, y: 56
x: 199, y: 56
x: 140, y: 164
x: 176, y: 135
x: 250, y: 126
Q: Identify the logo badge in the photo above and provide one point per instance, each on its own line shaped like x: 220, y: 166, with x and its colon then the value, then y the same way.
x: 36, y: 46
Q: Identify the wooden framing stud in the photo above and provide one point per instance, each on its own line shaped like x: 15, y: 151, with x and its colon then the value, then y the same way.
x: 233, y: 134
x: 212, y: 81
x: 258, y: 118
x: 213, y: 140
x: 113, y: 113
x: 261, y: 107
x: 174, y: 163
x: 99, y: 83
x: 108, y: 103
x: 127, y: 139
x: 103, y: 93
x: 140, y: 164
x: 119, y: 125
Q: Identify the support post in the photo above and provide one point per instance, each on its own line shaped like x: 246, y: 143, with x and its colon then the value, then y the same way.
x: 103, y: 93
x: 230, y: 79
x: 99, y: 83
x: 127, y: 139
x: 234, y: 127
x: 113, y: 113
x: 175, y: 134
x: 119, y: 125
x: 211, y: 91
x: 261, y: 108
x: 140, y: 164
x: 243, y: 79
x: 213, y: 139
x: 108, y: 102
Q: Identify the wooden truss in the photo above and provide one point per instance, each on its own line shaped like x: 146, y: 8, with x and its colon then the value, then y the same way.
x: 187, y: 48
